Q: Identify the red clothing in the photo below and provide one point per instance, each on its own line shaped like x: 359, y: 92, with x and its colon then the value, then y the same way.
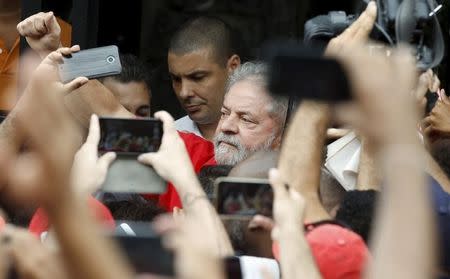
x: 201, y: 153
x: 39, y: 223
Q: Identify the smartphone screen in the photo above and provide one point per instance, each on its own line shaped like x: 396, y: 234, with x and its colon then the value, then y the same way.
x: 244, y: 197
x: 130, y: 136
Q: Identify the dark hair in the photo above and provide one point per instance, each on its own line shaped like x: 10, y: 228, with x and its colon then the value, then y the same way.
x: 133, y: 69
x: 205, y: 32
x: 135, y: 209
x: 440, y: 150
x: 208, y: 175
x: 357, y: 210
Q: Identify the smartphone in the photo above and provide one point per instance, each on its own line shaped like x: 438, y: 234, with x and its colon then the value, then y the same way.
x: 147, y: 254
x: 91, y: 63
x: 243, y: 196
x: 304, y: 73
x: 129, y: 138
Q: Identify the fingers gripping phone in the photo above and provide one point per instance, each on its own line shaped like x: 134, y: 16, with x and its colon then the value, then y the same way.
x: 243, y: 196
x: 129, y: 138
x: 91, y: 63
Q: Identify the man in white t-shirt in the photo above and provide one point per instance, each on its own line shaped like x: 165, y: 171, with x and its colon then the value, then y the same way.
x: 201, y: 57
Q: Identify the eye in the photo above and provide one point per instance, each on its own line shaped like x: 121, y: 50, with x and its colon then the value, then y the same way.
x: 175, y: 78
x: 246, y: 119
x: 197, y: 77
x: 224, y: 113
x: 143, y: 111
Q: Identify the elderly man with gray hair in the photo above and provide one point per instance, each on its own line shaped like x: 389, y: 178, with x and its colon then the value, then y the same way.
x: 251, y: 118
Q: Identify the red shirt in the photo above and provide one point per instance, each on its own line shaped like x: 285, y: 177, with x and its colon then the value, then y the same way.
x: 40, y: 223
x: 201, y: 153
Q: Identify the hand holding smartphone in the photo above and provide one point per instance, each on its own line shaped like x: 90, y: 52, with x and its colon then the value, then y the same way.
x: 129, y: 138
x: 91, y: 63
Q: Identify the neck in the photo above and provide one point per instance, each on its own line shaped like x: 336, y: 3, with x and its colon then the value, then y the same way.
x: 208, y: 130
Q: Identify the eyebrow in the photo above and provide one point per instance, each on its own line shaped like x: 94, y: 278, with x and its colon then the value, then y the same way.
x: 239, y: 112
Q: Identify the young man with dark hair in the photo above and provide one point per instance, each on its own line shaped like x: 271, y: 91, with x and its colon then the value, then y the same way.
x: 132, y: 86
x: 201, y: 56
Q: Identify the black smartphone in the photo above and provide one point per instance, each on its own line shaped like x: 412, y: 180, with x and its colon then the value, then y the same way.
x: 304, y: 73
x: 91, y: 63
x: 130, y: 136
x: 147, y: 254
x: 243, y: 196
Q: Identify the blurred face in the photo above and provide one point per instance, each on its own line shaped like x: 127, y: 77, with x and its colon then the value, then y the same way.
x: 245, y: 125
x: 199, y: 83
x: 134, y: 96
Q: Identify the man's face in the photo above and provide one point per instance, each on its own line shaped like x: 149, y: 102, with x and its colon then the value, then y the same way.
x: 134, y: 96
x: 245, y: 125
x: 199, y: 83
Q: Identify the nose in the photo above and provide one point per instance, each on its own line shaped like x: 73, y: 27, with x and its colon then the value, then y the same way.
x: 229, y: 124
x: 186, y: 89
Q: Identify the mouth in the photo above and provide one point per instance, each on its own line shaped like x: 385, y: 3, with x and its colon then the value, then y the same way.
x: 227, y: 144
x: 193, y: 108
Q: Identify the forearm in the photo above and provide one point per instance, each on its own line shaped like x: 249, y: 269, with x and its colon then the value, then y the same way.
x: 87, y: 252
x: 296, y: 260
x: 92, y: 98
x: 368, y: 174
x: 197, y: 206
x: 10, y: 139
x: 404, y: 223
x: 306, y: 135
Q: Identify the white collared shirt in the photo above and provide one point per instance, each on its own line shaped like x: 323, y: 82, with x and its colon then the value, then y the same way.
x: 185, y: 124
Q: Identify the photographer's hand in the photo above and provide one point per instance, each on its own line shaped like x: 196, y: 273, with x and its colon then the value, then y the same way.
x: 288, y: 210
x: 357, y: 33
x: 42, y: 32
x: 88, y: 170
x: 173, y: 164
x: 42, y: 176
x: 438, y: 122
x: 30, y: 258
x: 388, y: 118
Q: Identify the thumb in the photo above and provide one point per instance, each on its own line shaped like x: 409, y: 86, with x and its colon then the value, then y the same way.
x: 74, y: 84
x: 52, y: 24
x: 147, y: 158
x: 105, y: 161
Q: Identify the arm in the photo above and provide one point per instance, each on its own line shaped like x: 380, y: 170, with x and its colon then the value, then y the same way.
x: 42, y: 32
x: 94, y: 98
x: 30, y: 258
x: 368, y: 174
x: 52, y: 137
x: 404, y: 221
x: 306, y: 135
x: 295, y: 257
x: 173, y: 164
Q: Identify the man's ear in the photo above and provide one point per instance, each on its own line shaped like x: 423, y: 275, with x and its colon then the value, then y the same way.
x: 233, y: 62
x: 276, y: 144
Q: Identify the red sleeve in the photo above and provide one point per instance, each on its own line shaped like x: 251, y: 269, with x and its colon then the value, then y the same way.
x: 201, y: 153
x: 39, y: 222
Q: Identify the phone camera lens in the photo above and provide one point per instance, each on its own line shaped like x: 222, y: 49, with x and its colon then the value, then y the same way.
x: 110, y: 59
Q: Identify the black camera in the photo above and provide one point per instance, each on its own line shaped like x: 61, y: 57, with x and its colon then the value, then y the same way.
x: 412, y: 22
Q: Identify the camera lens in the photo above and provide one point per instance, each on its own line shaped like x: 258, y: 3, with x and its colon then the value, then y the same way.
x: 110, y: 59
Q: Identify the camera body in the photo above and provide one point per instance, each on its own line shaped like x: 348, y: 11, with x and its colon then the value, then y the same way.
x: 399, y: 21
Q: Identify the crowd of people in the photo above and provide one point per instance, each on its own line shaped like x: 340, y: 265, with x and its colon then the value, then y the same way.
x: 56, y: 222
